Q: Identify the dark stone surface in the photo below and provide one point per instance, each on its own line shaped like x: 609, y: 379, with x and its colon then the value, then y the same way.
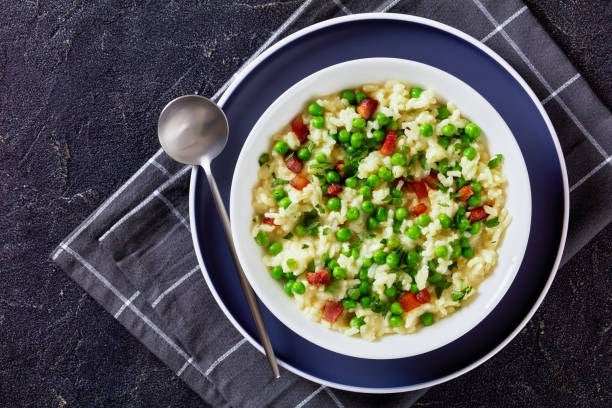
x: 81, y: 84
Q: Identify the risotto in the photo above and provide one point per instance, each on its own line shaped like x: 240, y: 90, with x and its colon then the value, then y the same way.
x: 379, y: 210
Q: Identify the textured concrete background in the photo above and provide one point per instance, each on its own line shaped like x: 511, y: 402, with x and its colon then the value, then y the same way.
x: 81, y: 85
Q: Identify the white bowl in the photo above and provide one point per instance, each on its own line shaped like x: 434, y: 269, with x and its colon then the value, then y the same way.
x: 499, y: 139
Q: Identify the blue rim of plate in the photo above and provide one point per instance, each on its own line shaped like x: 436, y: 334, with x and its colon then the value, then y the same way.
x: 400, y: 36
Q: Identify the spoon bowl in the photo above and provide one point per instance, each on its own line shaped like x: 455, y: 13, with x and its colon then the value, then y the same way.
x: 192, y: 129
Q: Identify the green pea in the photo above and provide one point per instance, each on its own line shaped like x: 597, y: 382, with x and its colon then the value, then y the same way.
x: 365, y: 287
x: 472, y: 130
x: 444, y: 141
x: 435, y: 277
x: 354, y: 293
x: 334, y: 204
x: 475, y: 228
x: 284, y: 202
x: 332, y: 176
x: 365, y: 191
x: 365, y: 301
x: 349, y: 304
x: 456, y: 251
x: 414, y: 288
x: 359, y: 123
x: 475, y: 200
x: 398, y: 159
x: 372, y: 223
x: 367, y: 262
x: 321, y: 157
x: 396, y: 308
x: 393, y: 260
x: 373, y: 180
x: 496, y: 161
x: 304, y: 154
x: 443, y: 113
x: 449, y: 130
x: 393, y: 125
x: 279, y: 193
x: 381, y: 214
x: 300, y: 230
x: 275, y: 248
x: 379, y: 135
x: 426, y: 129
x: 355, y: 253
x: 469, y: 153
x: 367, y: 207
x: 344, y: 136
x: 464, y: 242
x: 356, y: 322
x: 298, y: 288
x: 423, y: 220
x: 359, y: 96
x: 351, y: 150
x: 442, y: 251
x: 356, y: 140
x: 291, y: 264
x: 445, y: 220
x: 382, y: 119
x: 413, y: 257
x: 379, y: 257
x: 349, y: 95
x: 264, y: 158
x: 467, y: 253
x: 352, y: 214
x: 396, y: 192
x: 351, y: 182
x: 281, y: 147
x: 343, y: 234
x: 476, y: 186
x: 401, y: 214
x: 289, y: 287
x: 413, y: 232
x: 363, y: 273
x: 333, y: 263
x: 463, y: 223
x: 393, y: 242
x: 315, y: 109
x: 318, y: 122
x: 262, y: 239
x: 277, y: 272
x: 385, y: 174
x: 427, y: 319
x: 339, y: 273
x: 396, y: 321
x: 415, y: 92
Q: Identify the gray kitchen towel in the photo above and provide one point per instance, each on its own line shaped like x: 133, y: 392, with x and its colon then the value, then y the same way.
x: 134, y: 254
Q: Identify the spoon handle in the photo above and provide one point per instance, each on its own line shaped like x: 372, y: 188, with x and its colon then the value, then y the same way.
x: 246, y: 288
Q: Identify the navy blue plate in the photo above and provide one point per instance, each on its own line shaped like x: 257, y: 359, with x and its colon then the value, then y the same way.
x: 397, y: 36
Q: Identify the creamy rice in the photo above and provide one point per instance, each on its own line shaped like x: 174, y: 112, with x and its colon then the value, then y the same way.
x: 432, y: 177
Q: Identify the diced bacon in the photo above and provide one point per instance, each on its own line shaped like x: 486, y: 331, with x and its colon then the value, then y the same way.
x: 268, y: 221
x: 300, y: 129
x: 388, y: 146
x: 320, y: 277
x: 299, y: 182
x: 294, y: 164
x: 339, y: 166
x: 333, y: 189
x: 332, y: 310
x: 419, y: 188
x: 366, y: 107
x: 465, y: 193
x: 423, y: 296
x: 477, y: 214
x: 432, y: 180
x: 418, y: 209
x: 409, y: 301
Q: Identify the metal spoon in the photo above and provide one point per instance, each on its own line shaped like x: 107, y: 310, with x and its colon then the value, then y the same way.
x: 194, y: 130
